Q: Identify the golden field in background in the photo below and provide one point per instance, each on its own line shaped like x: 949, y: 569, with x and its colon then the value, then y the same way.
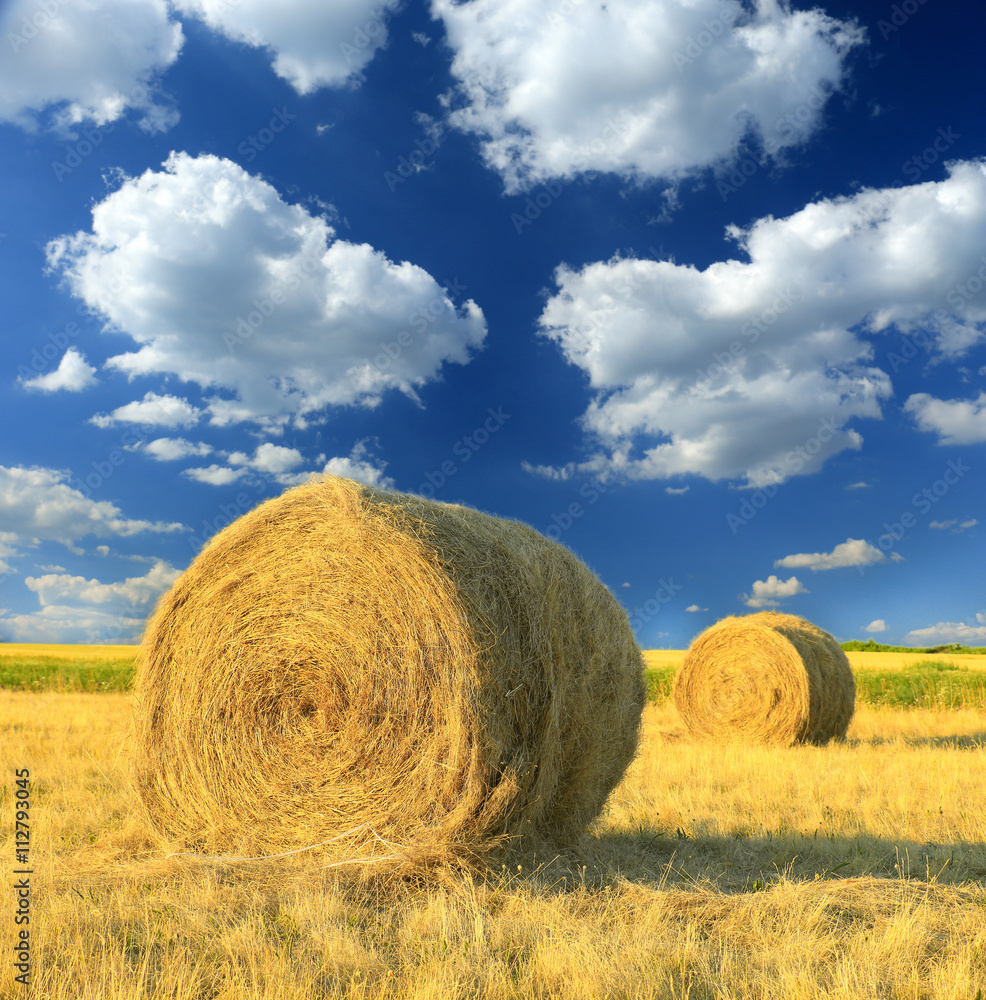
x: 652, y: 657
x: 851, y: 871
x: 858, y: 660
x: 30, y: 649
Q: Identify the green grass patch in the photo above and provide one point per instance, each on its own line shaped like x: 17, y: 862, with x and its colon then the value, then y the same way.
x: 927, y: 684
x: 924, y: 684
x: 57, y: 673
x: 855, y: 645
x: 658, y: 681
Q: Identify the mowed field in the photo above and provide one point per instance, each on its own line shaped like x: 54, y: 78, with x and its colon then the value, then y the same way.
x: 855, y: 870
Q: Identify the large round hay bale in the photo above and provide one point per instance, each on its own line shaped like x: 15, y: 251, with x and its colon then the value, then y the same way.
x: 344, y: 658
x: 766, y: 678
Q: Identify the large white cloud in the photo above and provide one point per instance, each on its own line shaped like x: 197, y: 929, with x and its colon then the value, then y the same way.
x: 641, y: 88
x: 755, y: 368
x: 88, y: 61
x: 68, y: 624
x: 225, y: 285
x: 312, y: 43
x: 76, y: 610
x: 137, y: 591
x: 38, y: 504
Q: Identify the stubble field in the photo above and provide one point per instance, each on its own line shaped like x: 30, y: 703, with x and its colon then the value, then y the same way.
x: 856, y: 870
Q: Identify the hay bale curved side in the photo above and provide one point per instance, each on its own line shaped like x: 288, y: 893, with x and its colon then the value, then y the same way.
x: 342, y: 656
x: 766, y: 678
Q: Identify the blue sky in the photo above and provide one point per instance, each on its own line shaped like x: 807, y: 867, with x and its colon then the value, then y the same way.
x: 695, y: 288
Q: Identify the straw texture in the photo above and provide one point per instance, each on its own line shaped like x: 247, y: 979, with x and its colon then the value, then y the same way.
x: 766, y: 678
x: 343, y: 658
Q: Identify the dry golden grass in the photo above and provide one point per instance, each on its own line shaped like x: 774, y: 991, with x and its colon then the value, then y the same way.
x: 862, y: 660
x: 852, y: 871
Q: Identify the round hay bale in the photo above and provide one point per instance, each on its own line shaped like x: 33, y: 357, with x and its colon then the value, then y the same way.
x: 765, y: 678
x: 343, y: 658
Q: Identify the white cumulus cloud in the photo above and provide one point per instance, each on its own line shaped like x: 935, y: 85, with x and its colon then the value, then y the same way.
x: 140, y: 591
x: 73, y: 373
x: 955, y: 421
x: 764, y: 591
x: 758, y: 367
x: 361, y: 466
x: 153, y: 409
x: 215, y: 474
x: 877, y: 625
x: 851, y: 552
x: 41, y: 504
x: 223, y: 284
x: 640, y: 88
x: 956, y: 527
x: 74, y: 609
x: 942, y: 633
x: 87, y: 62
x: 312, y: 44
x: 172, y: 449
x: 268, y: 457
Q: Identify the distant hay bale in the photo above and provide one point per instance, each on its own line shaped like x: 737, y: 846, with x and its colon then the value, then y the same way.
x: 347, y: 658
x: 765, y: 678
